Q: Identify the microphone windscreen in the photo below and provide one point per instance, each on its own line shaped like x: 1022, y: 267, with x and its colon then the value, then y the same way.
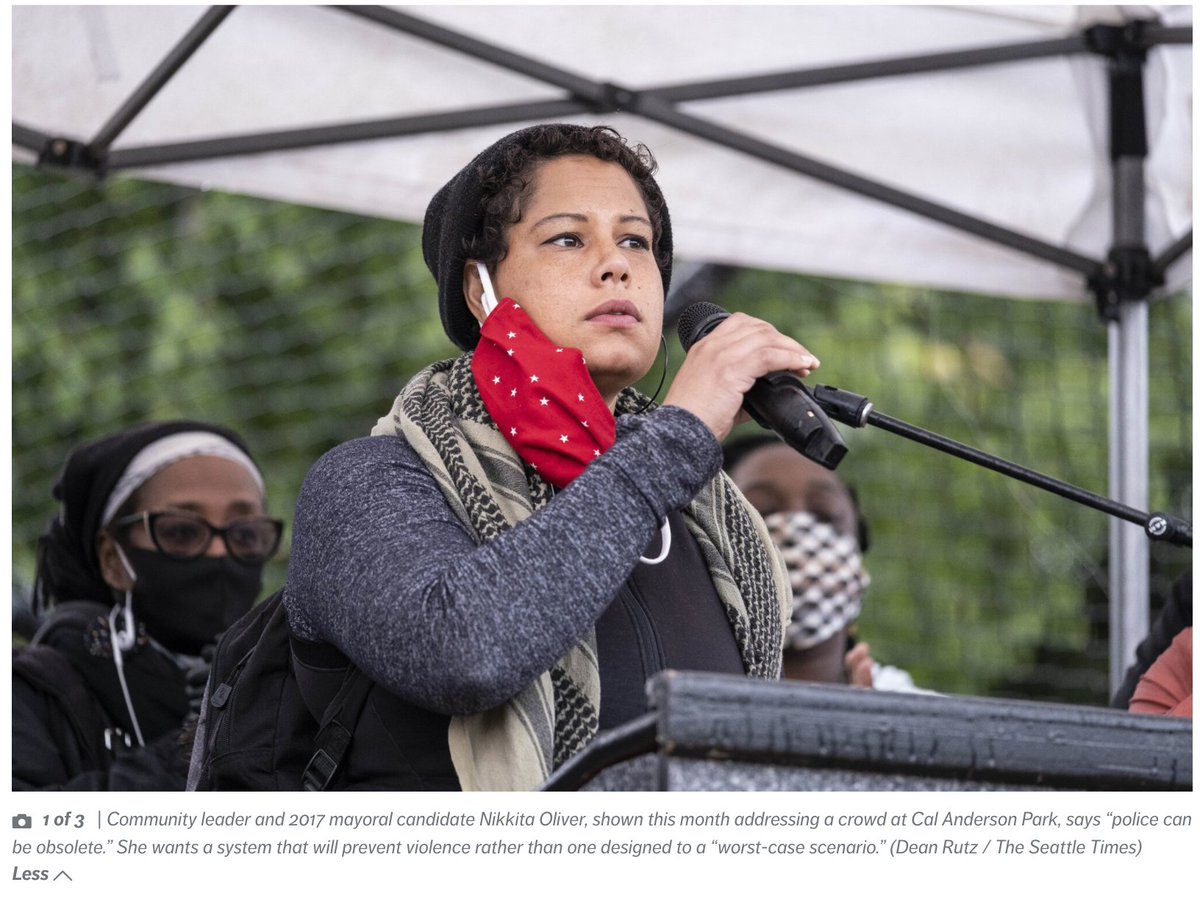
x: 697, y: 320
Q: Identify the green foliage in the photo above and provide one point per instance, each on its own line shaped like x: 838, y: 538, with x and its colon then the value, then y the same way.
x: 298, y: 326
x: 133, y: 301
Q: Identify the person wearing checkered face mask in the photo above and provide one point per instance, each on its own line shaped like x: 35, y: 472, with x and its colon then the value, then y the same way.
x: 814, y: 521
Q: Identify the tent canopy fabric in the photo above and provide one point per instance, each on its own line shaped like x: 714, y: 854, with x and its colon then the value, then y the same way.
x: 893, y: 96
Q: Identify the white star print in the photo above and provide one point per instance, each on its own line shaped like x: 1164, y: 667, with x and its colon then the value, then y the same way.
x: 512, y: 334
x: 584, y: 423
x: 533, y: 379
x: 596, y: 453
x: 510, y: 352
x: 514, y: 392
x: 496, y: 380
x: 545, y: 402
x: 558, y: 350
x: 581, y: 397
x: 512, y: 432
x: 563, y: 438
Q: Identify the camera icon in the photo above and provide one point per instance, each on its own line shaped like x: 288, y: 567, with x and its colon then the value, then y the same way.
x: 22, y: 822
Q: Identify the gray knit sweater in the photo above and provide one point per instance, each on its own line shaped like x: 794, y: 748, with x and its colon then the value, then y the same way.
x: 383, y: 569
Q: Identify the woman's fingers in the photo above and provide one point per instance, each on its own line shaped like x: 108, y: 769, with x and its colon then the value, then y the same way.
x: 722, y: 366
x: 859, y: 665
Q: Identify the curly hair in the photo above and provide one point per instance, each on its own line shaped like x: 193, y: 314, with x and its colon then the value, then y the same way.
x: 506, y: 184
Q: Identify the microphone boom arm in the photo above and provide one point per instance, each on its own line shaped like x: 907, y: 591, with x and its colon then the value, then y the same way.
x: 857, y: 412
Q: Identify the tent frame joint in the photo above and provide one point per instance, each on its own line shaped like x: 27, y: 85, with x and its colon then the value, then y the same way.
x: 62, y: 152
x: 1126, y: 42
x: 615, y: 98
x: 1128, y: 274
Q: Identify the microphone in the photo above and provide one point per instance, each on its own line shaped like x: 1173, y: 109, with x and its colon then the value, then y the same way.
x: 778, y: 401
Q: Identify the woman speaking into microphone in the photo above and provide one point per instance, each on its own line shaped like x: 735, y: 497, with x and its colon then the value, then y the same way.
x: 525, y: 539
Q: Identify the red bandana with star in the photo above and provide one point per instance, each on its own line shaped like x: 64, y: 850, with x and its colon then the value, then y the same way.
x: 541, y: 396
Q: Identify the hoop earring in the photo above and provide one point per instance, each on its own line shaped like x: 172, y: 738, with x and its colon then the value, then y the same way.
x: 661, y: 380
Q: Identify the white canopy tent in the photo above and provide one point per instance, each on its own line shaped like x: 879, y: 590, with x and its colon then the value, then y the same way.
x: 1022, y: 151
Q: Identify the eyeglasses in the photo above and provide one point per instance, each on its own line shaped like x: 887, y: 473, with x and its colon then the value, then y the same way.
x: 186, y: 535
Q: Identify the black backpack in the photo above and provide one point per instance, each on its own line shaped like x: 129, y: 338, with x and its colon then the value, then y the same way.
x: 79, y: 720
x: 281, y: 712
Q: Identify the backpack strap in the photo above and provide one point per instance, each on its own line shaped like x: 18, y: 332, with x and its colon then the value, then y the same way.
x: 72, y: 618
x: 337, y: 730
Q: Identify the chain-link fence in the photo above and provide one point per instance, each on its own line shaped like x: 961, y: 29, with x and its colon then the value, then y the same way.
x: 298, y: 326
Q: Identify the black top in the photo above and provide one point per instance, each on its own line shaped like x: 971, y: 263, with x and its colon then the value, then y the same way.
x: 665, y: 616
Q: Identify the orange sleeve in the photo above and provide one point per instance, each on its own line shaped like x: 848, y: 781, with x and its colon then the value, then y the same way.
x: 1166, y: 687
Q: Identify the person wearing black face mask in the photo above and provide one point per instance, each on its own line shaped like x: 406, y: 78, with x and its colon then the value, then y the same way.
x: 157, y: 547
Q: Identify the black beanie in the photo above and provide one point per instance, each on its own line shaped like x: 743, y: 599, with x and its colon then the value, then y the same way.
x: 455, y: 215
x: 67, y: 565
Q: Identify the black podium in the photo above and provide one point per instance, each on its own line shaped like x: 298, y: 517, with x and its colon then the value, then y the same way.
x: 721, y: 732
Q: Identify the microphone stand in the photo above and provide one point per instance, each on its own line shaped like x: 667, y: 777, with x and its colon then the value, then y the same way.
x: 857, y: 412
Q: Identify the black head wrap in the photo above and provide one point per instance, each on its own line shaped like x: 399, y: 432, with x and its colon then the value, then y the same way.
x: 455, y: 215
x: 67, y: 565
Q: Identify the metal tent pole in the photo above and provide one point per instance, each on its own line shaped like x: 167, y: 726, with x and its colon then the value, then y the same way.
x: 1123, y: 300
x: 1129, y: 552
x: 157, y: 80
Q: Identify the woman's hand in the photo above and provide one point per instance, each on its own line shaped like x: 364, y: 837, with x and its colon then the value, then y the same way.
x: 859, y: 665
x: 724, y: 364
